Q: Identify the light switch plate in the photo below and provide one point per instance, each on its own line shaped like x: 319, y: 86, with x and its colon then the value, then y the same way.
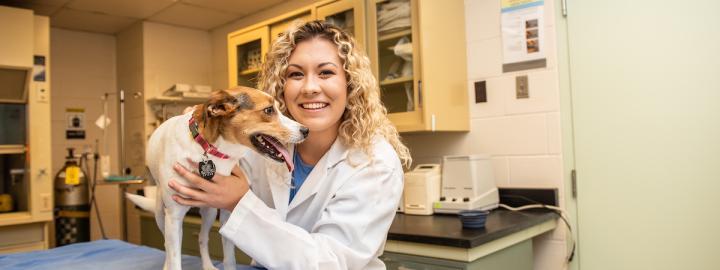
x: 43, y: 93
x: 46, y: 203
x: 522, y: 87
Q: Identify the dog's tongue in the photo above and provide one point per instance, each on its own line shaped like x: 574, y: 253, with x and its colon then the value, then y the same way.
x: 284, y: 152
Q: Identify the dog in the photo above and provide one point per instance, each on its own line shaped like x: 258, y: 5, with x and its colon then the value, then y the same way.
x: 214, y: 136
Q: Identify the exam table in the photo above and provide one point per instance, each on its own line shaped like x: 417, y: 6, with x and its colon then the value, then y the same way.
x: 100, y: 254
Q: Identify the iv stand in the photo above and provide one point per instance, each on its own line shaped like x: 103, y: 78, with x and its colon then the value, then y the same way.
x: 125, y: 172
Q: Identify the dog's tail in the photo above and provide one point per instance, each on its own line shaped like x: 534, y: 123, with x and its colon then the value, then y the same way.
x: 147, y: 204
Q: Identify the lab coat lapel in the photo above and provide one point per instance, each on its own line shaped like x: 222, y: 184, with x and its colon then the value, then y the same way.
x: 280, y: 186
x: 315, y: 179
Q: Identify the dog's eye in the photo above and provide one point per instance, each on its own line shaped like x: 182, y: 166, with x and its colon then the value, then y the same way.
x: 269, y: 110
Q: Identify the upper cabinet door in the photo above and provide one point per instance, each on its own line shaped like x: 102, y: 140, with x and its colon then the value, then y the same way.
x: 417, y: 49
x: 392, y: 31
x: 245, y: 54
x: 348, y: 15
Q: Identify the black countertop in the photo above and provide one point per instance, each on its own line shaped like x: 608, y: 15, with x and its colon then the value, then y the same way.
x: 446, y: 230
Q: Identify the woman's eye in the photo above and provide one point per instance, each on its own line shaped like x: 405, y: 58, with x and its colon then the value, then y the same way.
x: 326, y: 73
x: 269, y: 110
x: 295, y: 74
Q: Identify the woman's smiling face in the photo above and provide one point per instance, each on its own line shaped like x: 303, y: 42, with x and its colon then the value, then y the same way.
x: 315, y: 91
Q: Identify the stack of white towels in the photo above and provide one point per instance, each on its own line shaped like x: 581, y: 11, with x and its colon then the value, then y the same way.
x: 393, y: 15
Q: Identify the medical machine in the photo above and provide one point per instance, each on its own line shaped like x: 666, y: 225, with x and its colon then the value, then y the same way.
x: 422, y: 188
x: 468, y: 183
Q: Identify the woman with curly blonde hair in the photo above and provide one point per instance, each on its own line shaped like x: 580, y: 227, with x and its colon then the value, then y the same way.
x: 333, y: 211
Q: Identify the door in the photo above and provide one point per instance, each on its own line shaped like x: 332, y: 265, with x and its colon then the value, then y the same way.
x: 646, y: 119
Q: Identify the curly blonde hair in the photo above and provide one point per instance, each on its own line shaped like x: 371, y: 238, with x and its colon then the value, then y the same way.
x: 365, y: 115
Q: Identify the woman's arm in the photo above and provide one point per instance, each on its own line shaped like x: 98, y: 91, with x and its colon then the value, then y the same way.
x: 349, y: 234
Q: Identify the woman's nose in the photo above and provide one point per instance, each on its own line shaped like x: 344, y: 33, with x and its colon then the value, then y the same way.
x: 311, y: 87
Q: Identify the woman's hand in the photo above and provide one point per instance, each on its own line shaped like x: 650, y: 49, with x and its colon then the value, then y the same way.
x: 223, y: 192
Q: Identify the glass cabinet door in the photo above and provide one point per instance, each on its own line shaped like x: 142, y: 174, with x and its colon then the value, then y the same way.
x: 14, y: 185
x: 245, y: 54
x: 394, y: 56
x: 348, y: 15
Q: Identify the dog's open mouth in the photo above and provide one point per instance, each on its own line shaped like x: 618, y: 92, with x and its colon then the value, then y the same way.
x: 271, y: 147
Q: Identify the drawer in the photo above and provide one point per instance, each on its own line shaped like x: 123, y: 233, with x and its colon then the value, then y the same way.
x: 22, y: 234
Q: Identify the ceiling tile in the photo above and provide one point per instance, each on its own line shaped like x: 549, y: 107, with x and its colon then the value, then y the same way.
x: 39, y: 7
x: 127, y: 8
x: 192, y: 16
x: 89, y: 21
x: 239, y: 7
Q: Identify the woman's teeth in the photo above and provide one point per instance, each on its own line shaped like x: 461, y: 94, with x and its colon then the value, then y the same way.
x: 313, y: 106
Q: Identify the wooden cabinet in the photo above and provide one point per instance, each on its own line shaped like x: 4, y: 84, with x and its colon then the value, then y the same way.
x: 346, y: 14
x: 26, y: 178
x: 245, y: 53
x: 247, y: 47
x: 417, y: 49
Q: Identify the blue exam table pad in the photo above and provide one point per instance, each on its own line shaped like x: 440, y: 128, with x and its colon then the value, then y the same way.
x: 100, y: 254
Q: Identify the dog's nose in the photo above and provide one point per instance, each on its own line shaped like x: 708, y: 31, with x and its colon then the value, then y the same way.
x: 304, y: 131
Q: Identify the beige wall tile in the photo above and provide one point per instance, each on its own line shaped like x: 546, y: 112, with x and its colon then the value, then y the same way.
x: 496, y: 90
x: 482, y: 19
x: 541, y: 171
x: 554, y: 133
x: 175, y: 54
x: 501, y: 170
x: 543, y: 91
x: 513, y: 135
x: 484, y: 58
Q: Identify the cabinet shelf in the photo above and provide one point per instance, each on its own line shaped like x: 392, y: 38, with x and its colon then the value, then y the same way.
x: 249, y: 71
x: 393, y: 35
x: 396, y: 81
x: 13, y: 149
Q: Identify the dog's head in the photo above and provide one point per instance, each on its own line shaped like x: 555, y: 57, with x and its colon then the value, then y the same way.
x: 249, y: 117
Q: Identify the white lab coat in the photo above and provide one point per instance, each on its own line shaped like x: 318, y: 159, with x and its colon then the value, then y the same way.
x: 339, y: 218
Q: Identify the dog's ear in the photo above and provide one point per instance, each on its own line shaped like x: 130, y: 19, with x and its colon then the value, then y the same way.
x: 221, y: 104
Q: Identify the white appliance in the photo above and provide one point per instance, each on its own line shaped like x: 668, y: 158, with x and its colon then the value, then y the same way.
x: 468, y: 183
x: 422, y: 188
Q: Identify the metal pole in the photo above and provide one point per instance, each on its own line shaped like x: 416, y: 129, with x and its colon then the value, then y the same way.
x: 122, y: 132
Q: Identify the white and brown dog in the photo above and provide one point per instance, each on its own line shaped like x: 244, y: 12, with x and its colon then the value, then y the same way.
x: 214, y: 135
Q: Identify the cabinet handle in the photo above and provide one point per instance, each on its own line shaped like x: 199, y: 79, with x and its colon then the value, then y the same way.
x: 419, y: 105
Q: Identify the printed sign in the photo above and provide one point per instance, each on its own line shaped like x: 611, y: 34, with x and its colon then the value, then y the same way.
x: 75, y: 123
x: 523, y: 34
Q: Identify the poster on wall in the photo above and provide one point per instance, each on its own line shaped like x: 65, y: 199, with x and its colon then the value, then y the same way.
x: 75, y: 129
x: 39, y: 68
x: 523, y: 34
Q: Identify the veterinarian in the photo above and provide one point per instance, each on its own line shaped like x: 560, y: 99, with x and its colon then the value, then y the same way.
x: 334, y: 210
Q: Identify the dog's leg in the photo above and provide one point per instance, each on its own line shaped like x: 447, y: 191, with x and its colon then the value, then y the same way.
x: 208, y: 217
x: 228, y: 246
x: 174, y: 214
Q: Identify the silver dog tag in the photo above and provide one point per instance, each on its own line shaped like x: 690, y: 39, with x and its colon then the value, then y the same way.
x: 207, y: 169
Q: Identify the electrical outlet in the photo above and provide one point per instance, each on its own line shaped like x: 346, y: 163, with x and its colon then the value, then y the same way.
x: 522, y: 87
x: 46, y: 202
